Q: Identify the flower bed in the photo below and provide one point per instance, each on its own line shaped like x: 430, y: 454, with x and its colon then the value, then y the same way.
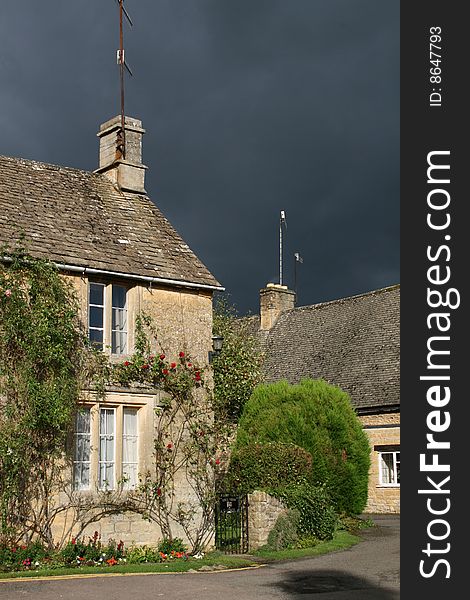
x: 90, y: 552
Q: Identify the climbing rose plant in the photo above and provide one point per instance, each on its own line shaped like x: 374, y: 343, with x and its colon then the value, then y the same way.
x: 46, y: 363
x: 190, y: 447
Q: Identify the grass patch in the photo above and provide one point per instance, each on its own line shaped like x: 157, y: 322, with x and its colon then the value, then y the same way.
x: 340, y: 541
x: 177, y: 566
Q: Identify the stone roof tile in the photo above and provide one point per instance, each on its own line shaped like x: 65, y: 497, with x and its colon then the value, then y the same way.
x: 79, y: 218
x: 353, y: 343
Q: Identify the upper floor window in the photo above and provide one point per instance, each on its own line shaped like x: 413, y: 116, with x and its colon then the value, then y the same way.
x: 107, y: 317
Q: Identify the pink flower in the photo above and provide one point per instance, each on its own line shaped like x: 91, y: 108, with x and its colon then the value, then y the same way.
x: 7, y: 293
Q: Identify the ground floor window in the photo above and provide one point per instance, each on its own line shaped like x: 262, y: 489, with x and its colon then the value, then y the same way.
x: 106, y: 447
x: 389, y: 465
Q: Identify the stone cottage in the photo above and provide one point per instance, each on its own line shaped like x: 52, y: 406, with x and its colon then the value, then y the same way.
x: 353, y: 343
x: 105, y: 234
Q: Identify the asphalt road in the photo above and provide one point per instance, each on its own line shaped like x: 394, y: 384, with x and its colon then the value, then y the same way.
x: 367, y: 571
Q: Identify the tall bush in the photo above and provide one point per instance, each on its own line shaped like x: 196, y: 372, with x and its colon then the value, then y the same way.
x: 237, y: 369
x: 266, y: 466
x: 318, y: 417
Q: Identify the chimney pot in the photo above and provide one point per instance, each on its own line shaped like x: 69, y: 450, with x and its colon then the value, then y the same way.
x: 126, y: 173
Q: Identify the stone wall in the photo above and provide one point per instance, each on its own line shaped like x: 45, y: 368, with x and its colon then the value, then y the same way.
x: 263, y: 512
x: 382, y: 430
x: 183, y: 319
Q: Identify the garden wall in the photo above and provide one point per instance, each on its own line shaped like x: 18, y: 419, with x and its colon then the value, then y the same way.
x: 263, y: 512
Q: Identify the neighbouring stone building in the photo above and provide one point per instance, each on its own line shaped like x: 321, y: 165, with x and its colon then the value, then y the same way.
x: 353, y: 343
x: 122, y: 255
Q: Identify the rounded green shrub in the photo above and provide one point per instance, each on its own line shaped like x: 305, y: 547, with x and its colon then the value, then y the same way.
x: 283, y: 535
x: 317, y: 516
x: 319, y: 418
x: 264, y: 466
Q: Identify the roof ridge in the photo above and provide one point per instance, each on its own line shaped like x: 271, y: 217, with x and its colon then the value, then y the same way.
x: 345, y: 298
x: 44, y: 164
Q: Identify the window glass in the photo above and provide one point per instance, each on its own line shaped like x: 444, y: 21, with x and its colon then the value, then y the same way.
x: 389, y: 468
x: 119, y: 320
x: 106, y: 455
x: 129, y: 448
x: 96, y: 317
x: 81, y: 462
x: 96, y: 314
x: 119, y: 296
x: 97, y: 293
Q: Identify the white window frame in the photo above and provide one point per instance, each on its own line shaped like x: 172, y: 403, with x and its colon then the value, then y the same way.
x: 127, y: 483
x: 108, y: 315
x: 95, y: 435
x: 395, y: 453
x: 120, y: 309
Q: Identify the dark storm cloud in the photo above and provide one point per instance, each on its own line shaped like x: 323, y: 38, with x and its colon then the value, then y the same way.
x: 250, y: 106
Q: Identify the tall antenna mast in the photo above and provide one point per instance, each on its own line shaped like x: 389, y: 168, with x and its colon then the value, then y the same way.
x: 282, y: 221
x: 121, y: 61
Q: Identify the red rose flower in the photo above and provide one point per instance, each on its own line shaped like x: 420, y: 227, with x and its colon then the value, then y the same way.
x: 145, y: 366
x: 169, y: 446
x: 165, y: 371
x: 126, y: 363
x: 162, y: 357
x: 217, y: 461
x: 173, y: 366
x: 181, y: 354
x: 190, y: 365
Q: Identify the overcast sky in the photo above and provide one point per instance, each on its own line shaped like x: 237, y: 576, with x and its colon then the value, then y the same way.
x: 250, y: 107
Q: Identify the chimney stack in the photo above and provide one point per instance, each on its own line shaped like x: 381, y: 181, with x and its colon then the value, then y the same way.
x: 127, y: 174
x: 274, y: 300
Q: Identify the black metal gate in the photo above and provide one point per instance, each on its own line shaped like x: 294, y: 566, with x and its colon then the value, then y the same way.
x: 231, y: 524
